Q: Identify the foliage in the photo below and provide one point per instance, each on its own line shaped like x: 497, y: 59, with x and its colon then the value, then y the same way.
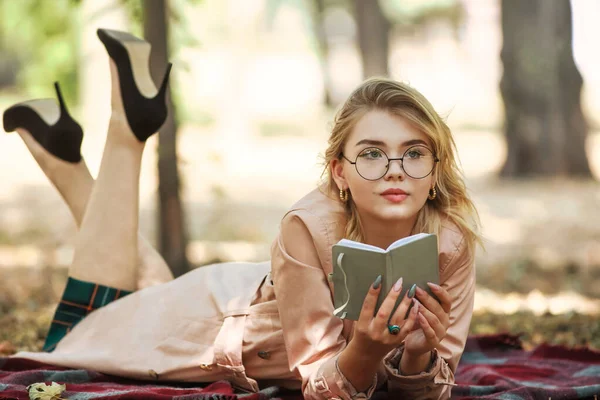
x: 420, y: 12
x: 179, y: 32
x: 39, y: 40
x: 42, y: 36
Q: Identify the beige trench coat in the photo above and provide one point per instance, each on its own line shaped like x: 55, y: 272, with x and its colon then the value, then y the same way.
x: 267, y: 323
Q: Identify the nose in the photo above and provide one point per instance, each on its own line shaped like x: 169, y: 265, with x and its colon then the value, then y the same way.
x: 395, y: 169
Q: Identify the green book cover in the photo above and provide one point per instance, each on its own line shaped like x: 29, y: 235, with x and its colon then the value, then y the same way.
x: 357, y: 265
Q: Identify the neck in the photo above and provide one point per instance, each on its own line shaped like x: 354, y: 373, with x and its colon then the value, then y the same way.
x: 383, y: 233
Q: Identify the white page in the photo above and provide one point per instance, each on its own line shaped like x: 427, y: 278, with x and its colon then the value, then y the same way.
x: 406, y: 240
x: 397, y: 243
x: 358, y: 245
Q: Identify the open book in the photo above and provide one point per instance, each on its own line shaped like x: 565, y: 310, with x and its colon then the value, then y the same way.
x: 356, y: 266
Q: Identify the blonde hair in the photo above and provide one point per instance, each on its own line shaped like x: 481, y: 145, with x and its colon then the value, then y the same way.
x: 452, y: 203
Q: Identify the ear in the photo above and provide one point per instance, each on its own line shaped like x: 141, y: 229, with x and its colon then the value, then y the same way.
x: 336, y: 168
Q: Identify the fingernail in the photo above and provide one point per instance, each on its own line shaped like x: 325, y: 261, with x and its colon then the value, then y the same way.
x: 398, y: 285
x: 434, y: 287
x: 411, y: 292
x: 415, y: 307
x: 377, y: 282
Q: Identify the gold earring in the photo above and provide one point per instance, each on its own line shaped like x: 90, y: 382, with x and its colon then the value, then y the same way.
x: 343, y: 195
x: 432, y: 193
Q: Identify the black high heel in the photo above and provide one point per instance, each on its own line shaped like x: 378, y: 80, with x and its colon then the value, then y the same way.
x: 62, y: 138
x: 145, y: 115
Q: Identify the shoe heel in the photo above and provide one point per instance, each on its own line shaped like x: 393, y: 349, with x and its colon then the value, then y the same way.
x: 66, y: 135
x: 165, y: 82
x: 61, y: 101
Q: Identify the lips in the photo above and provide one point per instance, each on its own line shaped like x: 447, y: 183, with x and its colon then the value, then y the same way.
x: 394, y: 195
x: 394, y: 191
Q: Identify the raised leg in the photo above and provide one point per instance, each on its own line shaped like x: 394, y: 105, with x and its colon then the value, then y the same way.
x: 74, y: 183
x: 106, y: 246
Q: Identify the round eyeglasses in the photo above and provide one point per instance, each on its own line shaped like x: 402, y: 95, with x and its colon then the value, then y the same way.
x: 372, y: 163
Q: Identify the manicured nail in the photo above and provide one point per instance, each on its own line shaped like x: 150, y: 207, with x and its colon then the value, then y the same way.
x: 398, y: 285
x: 415, y: 309
x: 412, y: 290
x: 422, y: 318
x: 377, y: 282
x: 434, y: 287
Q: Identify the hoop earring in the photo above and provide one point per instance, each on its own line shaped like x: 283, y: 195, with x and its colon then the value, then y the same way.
x: 343, y: 195
x: 432, y: 193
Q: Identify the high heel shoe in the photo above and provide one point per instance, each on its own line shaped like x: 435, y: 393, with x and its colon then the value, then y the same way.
x: 145, y: 112
x: 49, y: 124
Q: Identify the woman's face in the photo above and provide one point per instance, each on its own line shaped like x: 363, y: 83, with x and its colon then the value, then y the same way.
x: 395, y: 196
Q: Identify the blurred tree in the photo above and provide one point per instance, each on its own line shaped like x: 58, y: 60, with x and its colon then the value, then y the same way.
x: 541, y: 89
x: 172, y: 231
x: 318, y: 25
x: 373, y: 37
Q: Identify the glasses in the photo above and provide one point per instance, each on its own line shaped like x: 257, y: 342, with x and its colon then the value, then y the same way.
x: 372, y: 163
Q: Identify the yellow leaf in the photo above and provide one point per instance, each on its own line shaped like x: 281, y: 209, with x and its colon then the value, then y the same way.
x: 41, y: 391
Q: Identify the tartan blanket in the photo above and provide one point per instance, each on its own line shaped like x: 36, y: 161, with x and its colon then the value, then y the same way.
x: 492, y: 367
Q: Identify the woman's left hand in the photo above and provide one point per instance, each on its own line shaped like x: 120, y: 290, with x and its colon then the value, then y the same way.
x: 433, y: 319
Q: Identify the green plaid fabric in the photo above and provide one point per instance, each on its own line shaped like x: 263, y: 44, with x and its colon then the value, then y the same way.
x: 78, y: 300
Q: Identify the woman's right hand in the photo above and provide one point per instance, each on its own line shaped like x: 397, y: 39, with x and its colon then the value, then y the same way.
x: 371, y: 333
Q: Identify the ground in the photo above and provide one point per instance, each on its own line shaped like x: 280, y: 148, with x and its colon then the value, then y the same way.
x: 28, y: 298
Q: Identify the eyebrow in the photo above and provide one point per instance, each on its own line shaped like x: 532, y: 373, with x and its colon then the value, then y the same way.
x: 380, y: 143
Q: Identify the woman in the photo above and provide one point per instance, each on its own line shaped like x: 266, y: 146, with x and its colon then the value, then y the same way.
x: 391, y: 172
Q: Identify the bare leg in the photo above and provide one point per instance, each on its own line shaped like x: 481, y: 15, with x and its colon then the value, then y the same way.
x: 74, y: 183
x: 106, y: 246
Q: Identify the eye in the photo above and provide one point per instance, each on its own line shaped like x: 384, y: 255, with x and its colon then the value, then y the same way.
x: 414, y: 153
x: 372, y: 154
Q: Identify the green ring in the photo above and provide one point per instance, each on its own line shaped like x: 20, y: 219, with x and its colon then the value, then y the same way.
x: 393, y: 329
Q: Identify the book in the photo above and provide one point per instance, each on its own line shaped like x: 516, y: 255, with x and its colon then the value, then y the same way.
x: 356, y: 266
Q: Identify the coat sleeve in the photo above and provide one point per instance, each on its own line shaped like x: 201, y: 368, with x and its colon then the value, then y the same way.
x: 457, y: 276
x: 312, y: 335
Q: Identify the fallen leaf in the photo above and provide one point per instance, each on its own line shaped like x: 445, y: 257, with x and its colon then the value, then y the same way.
x: 41, y: 391
x: 7, y: 348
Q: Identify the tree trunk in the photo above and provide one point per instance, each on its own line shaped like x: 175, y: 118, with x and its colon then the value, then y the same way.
x: 373, y: 37
x: 172, y: 230
x: 541, y: 88
x: 318, y: 16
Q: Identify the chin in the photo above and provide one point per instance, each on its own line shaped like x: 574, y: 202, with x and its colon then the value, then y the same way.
x: 395, y: 213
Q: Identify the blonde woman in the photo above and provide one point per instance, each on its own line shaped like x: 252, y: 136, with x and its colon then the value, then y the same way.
x: 391, y: 172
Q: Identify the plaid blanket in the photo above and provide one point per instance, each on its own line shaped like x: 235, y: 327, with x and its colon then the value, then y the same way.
x: 492, y: 367
x: 497, y: 367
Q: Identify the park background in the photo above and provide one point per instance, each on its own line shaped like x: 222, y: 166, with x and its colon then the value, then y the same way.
x: 255, y: 87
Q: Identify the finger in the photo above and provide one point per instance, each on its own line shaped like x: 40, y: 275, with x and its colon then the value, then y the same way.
x: 411, y: 322
x: 383, y: 314
x: 438, y: 325
x: 370, y: 302
x: 428, y: 331
x: 400, y: 312
x: 443, y: 295
x: 429, y: 302
x: 432, y: 306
